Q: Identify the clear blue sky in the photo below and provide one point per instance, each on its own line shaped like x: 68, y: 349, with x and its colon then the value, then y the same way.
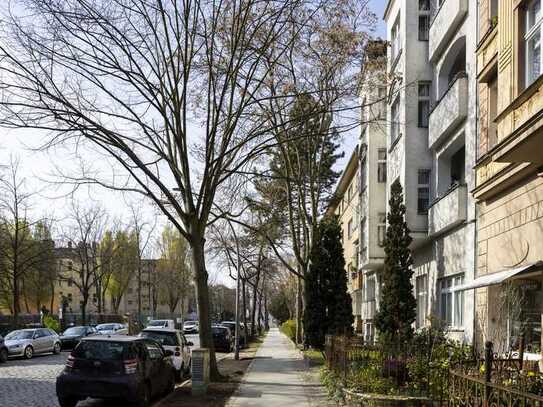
x: 378, y: 7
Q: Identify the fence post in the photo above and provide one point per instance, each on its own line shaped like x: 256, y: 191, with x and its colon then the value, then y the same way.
x: 488, y: 371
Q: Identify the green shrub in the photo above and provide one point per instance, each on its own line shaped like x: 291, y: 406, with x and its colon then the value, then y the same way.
x: 51, y: 323
x: 289, y: 329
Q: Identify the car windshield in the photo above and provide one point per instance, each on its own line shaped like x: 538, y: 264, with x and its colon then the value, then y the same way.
x: 106, y: 327
x: 156, y: 323
x: 218, y: 330
x: 102, y: 350
x: 20, y: 335
x: 190, y: 323
x: 78, y: 330
x: 164, y: 338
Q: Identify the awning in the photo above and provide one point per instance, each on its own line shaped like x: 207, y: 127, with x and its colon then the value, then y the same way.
x: 500, y: 277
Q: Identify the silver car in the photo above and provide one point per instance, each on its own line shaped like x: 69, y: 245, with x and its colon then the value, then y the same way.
x: 112, y: 329
x: 28, y: 342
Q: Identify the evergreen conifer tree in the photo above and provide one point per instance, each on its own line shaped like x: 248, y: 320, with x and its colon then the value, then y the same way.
x: 397, y: 310
x: 328, y: 307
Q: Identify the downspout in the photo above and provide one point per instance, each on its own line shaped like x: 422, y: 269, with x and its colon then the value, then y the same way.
x: 476, y: 221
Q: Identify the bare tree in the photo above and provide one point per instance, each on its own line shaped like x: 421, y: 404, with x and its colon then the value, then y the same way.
x: 19, y: 253
x: 169, y: 89
x: 143, y: 233
x: 84, y: 230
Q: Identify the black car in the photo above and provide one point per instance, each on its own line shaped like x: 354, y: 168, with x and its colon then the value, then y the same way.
x: 71, y: 336
x: 119, y: 367
x: 3, y: 351
x: 222, y: 338
x: 232, y: 326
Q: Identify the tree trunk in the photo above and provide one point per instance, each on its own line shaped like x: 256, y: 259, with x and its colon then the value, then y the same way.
x: 16, y: 309
x: 243, y: 293
x: 298, y: 311
x: 84, y: 310
x: 202, y: 301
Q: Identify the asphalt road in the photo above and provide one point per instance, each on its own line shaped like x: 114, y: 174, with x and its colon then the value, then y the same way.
x: 31, y: 383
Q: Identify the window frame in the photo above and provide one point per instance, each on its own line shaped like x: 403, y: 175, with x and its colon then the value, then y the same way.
x: 447, y: 287
x: 423, y: 186
x: 395, y: 40
x: 381, y: 229
x: 423, y: 99
x: 421, y: 295
x: 530, y: 33
x: 381, y: 165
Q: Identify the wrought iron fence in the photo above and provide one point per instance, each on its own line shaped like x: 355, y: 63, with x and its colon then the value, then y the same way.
x: 494, y: 381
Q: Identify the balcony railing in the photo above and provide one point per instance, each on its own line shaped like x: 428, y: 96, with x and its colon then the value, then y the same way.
x: 444, y: 25
x: 449, y: 210
x: 449, y: 111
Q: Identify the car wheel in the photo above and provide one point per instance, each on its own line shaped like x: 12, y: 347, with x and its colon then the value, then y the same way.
x: 29, y: 352
x: 3, y: 355
x: 179, y: 373
x: 144, y: 399
x: 67, y: 401
x: 56, y: 348
x: 170, y: 387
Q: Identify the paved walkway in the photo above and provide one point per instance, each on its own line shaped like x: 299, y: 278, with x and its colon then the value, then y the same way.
x: 277, y: 377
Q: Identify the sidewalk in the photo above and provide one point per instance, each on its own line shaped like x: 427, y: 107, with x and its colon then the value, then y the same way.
x: 277, y: 378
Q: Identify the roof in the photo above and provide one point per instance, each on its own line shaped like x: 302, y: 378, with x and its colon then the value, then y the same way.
x: 158, y: 329
x: 109, y: 338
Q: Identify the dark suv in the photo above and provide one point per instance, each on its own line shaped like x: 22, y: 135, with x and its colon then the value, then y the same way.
x: 117, y: 367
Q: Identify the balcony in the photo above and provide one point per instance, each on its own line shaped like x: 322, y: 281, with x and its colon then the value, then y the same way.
x: 449, y: 112
x: 444, y: 25
x: 448, y: 211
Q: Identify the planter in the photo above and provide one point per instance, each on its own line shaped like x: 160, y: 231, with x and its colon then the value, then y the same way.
x: 354, y: 399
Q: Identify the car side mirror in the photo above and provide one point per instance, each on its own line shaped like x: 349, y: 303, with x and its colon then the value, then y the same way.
x: 190, y: 344
x: 168, y: 353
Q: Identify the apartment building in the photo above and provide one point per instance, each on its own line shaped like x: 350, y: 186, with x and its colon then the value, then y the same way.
x: 347, y: 207
x: 373, y: 180
x: 509, y: 183
x: 431, y: 149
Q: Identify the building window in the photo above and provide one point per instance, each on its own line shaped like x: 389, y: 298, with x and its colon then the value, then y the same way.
x: 395, y: 120
x: 381, y: 229
x: 350, y: 228
x: 424, y: 103
x: 423, y: 192
x: 396, y: 40
x: 60, y: 283
x: 424, y: 5
x: 532, y: 41
x: 421, y: 287
x: 424, y: 27
x: 492, y: 111
x: 70, y: 282
x: 451, y: 301
x: 70, y: 266
x: 382, y: 165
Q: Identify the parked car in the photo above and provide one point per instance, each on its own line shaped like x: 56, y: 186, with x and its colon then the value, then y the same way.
x: 4, y: 353
x: 190, y: 327
x: 222, y: 338
x: 71, y: 336
x: 161, y: 323
x: 112, y: 329
x: 28, y: 342
x: 232, y: 326
x: 116, y: 367
x: 174, y: 340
